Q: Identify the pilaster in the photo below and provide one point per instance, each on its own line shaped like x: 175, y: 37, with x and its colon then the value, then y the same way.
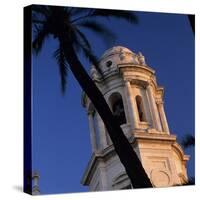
x: 92, y: 132
x: 163, y: 117
x: 132, y: 114
x: 153, y: 109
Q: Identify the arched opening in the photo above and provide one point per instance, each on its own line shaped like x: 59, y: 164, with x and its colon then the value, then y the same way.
x: 117, y: 107
x: 140, y: 109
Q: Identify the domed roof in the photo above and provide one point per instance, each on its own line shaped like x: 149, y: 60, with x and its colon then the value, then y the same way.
x: 115, y: 57
x: 116, y: 50
x: 117, y: 60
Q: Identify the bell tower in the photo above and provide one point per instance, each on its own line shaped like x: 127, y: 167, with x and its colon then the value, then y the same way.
x: 130, y: 88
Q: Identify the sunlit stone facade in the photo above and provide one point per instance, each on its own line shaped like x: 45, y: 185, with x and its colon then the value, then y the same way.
x: 130, y: 88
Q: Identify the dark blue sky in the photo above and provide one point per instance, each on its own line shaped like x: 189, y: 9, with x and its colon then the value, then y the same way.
x: 61, y: 146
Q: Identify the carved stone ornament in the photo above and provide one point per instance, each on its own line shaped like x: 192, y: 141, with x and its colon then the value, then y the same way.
x: 94, y: 73
x: 135, y: 59
x: 160, y: 178
x: 121, y: 54
x: 141, y: 59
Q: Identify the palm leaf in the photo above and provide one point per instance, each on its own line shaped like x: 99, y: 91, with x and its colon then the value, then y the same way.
x: 92, y: 58
x: 41, y: 34
x: 120, y: 14
x: 81, y: 43
x: 41, y: 10
x: 80, y: 11
x: 83, y: 38
x: 59, y: 55
x: 188, y: 140
x: 100, y: 29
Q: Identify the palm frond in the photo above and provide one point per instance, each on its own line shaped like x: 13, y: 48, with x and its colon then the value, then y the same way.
x: 38, y: 21
x: 80, y: 14
x: 100, y: 29
x: 120, y: 14
x: 75, y: 11
x: 83, y: 44
x: 90, y: 55
x: 59, y: 55
x: 188, y: 140
x: 64, y: 24
x: 41, y: 33
x: 92, y: 58
x: 83, y: 38
x: 41, y: 10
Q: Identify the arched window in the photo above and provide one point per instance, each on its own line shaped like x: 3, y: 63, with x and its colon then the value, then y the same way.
x: 118, y: 108
x: 140, y: 108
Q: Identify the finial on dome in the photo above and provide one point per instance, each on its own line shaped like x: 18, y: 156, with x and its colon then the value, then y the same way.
x: 94, y: 73
x: 141, y: 59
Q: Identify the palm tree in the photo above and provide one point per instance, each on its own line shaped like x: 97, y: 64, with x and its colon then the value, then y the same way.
x: 187, y: 142
x: 65, y: 24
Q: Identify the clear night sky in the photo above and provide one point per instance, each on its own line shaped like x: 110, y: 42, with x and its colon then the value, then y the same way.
x: 61, y: 145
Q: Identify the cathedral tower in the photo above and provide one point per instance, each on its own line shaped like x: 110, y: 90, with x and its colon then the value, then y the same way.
x: 130, y: 88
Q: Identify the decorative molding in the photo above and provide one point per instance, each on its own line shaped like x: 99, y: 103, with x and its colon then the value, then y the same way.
x: 180, y: 152
x: 160, y: 177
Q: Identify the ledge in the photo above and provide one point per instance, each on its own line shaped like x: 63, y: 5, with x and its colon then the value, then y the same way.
x: 154, y: 136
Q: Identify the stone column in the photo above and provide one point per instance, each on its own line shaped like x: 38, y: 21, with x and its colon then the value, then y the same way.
x: 130, y: 103
x: 35, y: 189
x: 102, y: 131
x: 163, y: 117
x: 92, y: 132
x: 153, y: 109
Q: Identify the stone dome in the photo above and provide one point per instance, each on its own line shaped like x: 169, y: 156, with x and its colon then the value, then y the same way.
x: 116, y: 50
x: 114, y: 57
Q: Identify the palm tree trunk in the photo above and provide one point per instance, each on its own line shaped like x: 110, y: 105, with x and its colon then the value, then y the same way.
x: 123, y: 148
